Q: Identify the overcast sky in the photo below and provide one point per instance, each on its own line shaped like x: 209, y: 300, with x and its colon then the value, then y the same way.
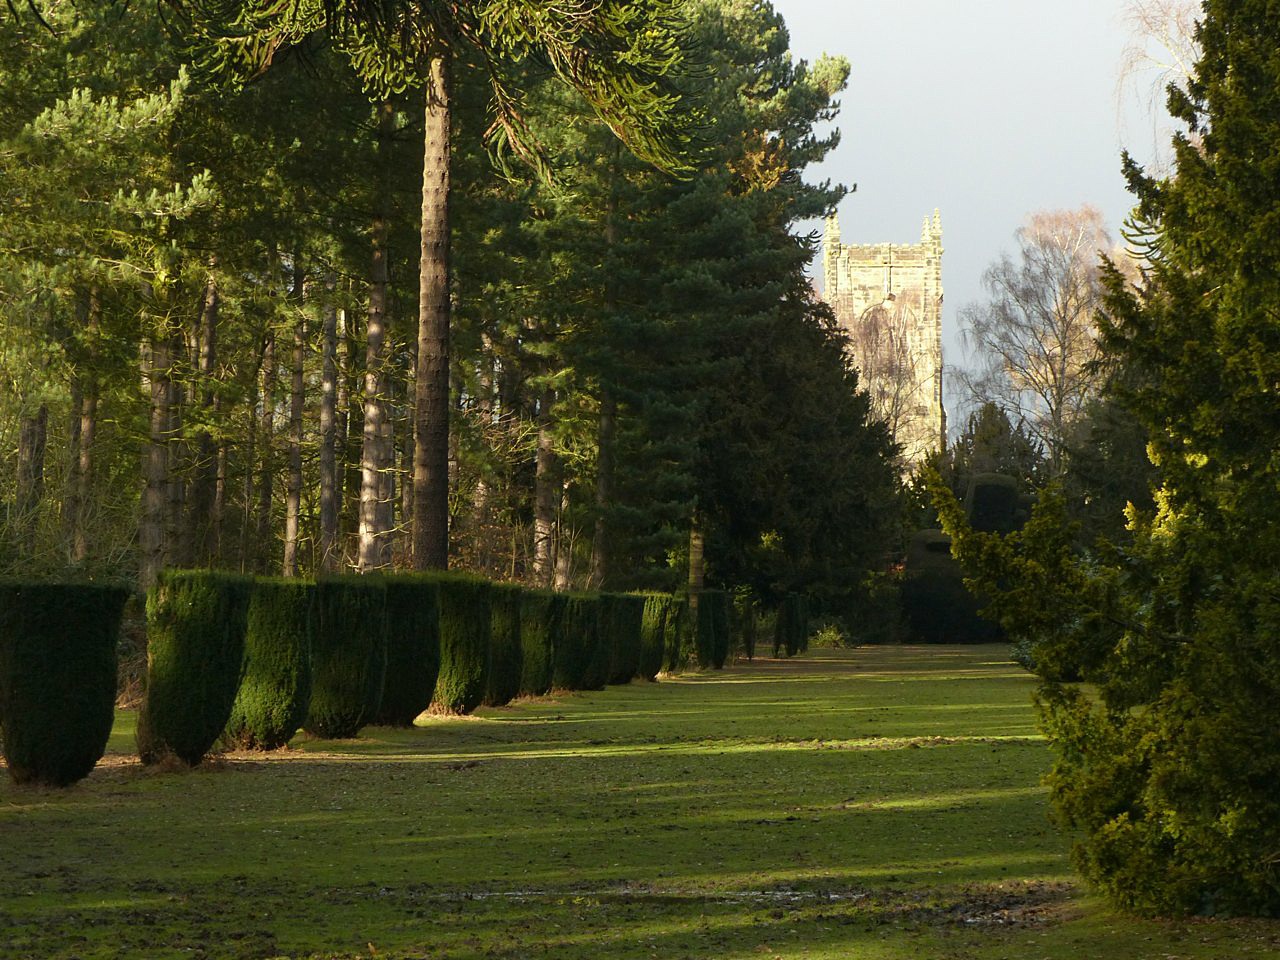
x: 986, y: 109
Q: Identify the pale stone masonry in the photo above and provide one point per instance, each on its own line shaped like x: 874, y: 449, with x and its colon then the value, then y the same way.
x: 888, y: 298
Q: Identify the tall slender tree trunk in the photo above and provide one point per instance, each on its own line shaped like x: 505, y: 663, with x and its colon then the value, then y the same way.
x: 546, y: 494
x: 431, y: 402
x: 350, y: 436
x: 605, y: 436
x: 697, y: 561
x: 175, y: 490
x: 33, y: 435
x: 155, y: 460
x: 266, y: 463
x: 329, y: 488
x: 88, y: 414
x: 375, y: 538
x: 297, y: 398
x: 79, y: 364
x: 601, y: 547
x: 204, y: 478
x: 562, y: 546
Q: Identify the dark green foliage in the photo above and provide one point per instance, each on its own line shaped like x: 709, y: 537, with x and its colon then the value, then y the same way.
x: 600, y: 662
x: 196, y: 623
x: 413, y: 649
x: 791, y: 628
x: 57, y: 678
x: 348, y: 656
x: 936, y: 606
x: 678, y: 643
x: 653, y: 635
x: 626, y: 623
x: 276, y: 688
x: 466, y: 624
x: 992, y: 503
x: 577, y: 641
x: 541, y: 613
x: 747, y: 621
x: 719, y: 601
x: 506, y: 653
x: 704, y: 638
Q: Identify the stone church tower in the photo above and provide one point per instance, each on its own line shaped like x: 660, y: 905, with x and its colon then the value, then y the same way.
x: 888, y: 298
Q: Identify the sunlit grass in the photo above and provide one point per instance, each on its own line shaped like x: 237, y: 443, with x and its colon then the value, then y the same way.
x: 876, y: 803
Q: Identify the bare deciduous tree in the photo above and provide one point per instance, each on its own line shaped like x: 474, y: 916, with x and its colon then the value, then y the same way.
x: 1034, y: 340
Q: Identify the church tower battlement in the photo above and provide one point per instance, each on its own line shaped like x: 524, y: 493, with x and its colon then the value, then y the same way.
x: 888, y: 298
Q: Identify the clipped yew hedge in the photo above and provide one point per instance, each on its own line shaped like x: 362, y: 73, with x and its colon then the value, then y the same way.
x: 718, y: 601
x: 600, y: 642
x: 506, y: 654
x: 348, y: 656
x: 576, y: 645
x: 196, y: 622
x: 275, y: 690
x: 791, y: 628
x: 541, y: 614
x: 625, y: 626
x: 678, y: 643
x: 57, y: 678
x: 413, y: 649
x: 465, y: 629
x: 653, y: 634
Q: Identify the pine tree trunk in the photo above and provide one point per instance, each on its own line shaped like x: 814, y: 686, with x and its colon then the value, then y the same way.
x: 33, y: 434
x: 431, y: 403
x: 204, y: 478
x: 175, y: 489
x: 375, y: 540
x: 297, y: 397
x: 546, y: 495
x: 263, y: 536
x: 606, y: 433
x: 155, y: 461
x: 88, y: 414
x: 329, y: 491
x: 697, y: 562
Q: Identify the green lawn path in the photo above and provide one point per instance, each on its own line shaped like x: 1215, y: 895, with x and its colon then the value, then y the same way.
x: 876, y: 803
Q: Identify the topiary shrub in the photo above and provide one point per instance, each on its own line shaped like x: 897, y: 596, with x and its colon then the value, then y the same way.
x: 576, y: 644
x: 936, y: 606
x: 506, y: 653
x: 678, y: 643
x: 196, y: 622
x: 413, y: 649
x: 718, y: 601
x: 276, y: 687
x: 600, y: 663
x: 57, y: 678
x: 466, y: 624
x: 348, y: 656
x: 653, y: 634
x: 992, y: 503
x: 791, y: 627
x: 626, y: 622
x: 541, y: 613
x: 704, y: 638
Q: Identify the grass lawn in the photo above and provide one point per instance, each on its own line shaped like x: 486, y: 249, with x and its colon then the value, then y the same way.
x: 877, y: 803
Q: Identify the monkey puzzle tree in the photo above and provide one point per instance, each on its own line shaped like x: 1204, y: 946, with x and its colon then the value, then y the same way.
x: 620, y: 56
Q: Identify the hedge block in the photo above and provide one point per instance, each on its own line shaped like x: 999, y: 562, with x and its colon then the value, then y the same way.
x: 276, y: 688
x: 626, y: 621
x: 57, y: 678
x: 576, y: 644
x: 196, y: 621
x: 653, y: 634
x: 466, y: 623
x: 348, y: 656
x: 506, y: 653
x: 541, y: 613
x: 413, y: 649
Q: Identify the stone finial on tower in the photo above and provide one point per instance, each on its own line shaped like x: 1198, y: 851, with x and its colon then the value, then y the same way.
x: 831, y: 255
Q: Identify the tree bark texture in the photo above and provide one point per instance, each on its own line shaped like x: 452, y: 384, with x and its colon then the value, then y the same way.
x: 266, y: 439
x: 431, y: 403
x: 329, y: 490
x: 375, y: 533
x: 297, y: 399
x: 546, y: 496
x: 204, y: 478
